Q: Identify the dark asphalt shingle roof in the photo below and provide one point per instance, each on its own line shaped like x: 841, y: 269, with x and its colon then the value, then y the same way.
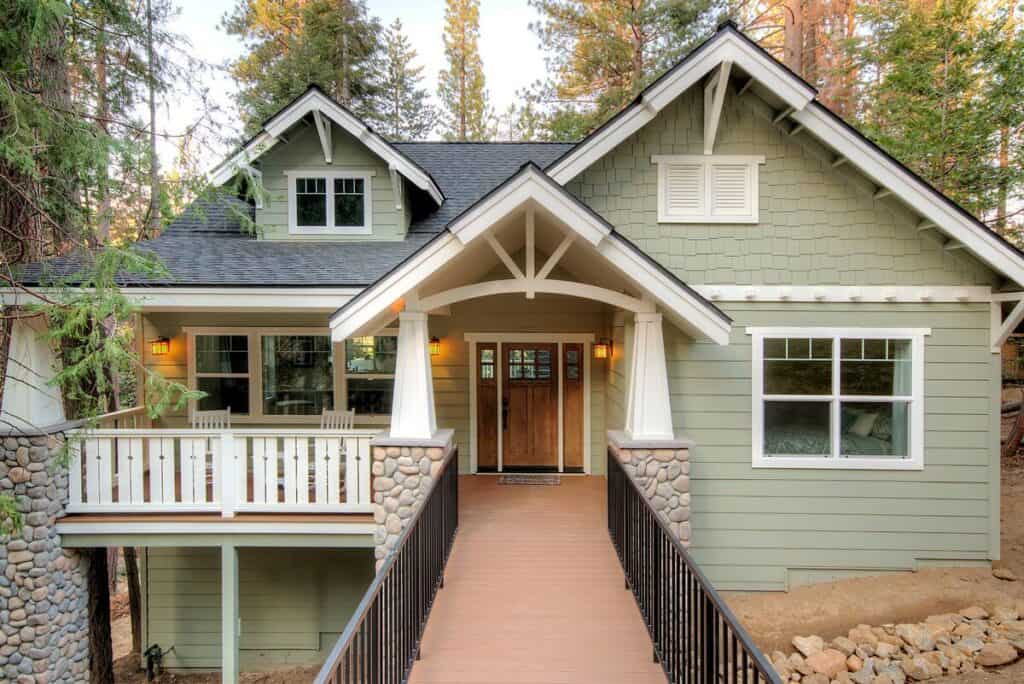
x: 207, y: 245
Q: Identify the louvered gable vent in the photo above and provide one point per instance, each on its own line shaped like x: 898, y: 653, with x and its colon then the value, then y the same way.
x: 707, y: 189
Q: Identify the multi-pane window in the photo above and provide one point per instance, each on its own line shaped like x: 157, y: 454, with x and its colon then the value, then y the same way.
x: 329, y: 202
x: 297, y: 375
x: 852, y: 397
x: 311, y: 202
x: 349, y: 202
x: 529, y: 364
x: 370, y: 373
x: 222, y: 372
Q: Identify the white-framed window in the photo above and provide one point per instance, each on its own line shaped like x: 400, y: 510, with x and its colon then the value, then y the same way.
x: 330, y: 202
x: 838, y: 398
x: 707, y: 188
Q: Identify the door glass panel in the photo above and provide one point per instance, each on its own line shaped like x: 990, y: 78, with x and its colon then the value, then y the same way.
x: 529, y: 371
x: 515, y: 371
x: 515, y: 356
x: 543, y: 372
x: 487, y: 371
x: 529, y: 355
x: 572, y: 372
x: 487, y: 355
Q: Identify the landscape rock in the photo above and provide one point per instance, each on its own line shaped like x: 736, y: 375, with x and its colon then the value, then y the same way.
x: 920, y: 668
x: 974, y: 613
x: 828, y: 662
x: 808, y: 645
x: 996, y: 654
x: 1004, y: 574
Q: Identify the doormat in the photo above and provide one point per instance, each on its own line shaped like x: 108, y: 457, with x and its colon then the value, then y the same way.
x: 529, y: 480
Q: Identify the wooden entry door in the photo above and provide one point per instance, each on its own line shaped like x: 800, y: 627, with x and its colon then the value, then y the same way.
x: 529, y: 408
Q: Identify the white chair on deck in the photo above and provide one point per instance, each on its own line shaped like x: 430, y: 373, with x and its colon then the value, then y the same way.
x: 338, y: 420
x: 212, y: 420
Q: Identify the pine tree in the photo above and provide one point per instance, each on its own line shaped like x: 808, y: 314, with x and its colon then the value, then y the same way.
x: 945, y: 83
x: 466, y: 114
x: 293, y: 43
x: 603, y: 53
x: 406, y: 111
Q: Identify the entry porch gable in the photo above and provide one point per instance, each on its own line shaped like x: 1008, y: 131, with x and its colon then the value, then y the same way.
x: 530, y: 236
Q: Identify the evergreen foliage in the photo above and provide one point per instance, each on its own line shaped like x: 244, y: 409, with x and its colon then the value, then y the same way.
x: 293, y: 43
x: 405, y: 106
x: 465, y: 111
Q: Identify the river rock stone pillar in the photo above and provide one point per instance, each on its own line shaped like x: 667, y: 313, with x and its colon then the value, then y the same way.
x: 403, y: 473
x: 44, y: 617
x: 661, y: 470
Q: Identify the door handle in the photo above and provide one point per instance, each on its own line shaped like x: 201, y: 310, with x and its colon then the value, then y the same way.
x: 504, y: 413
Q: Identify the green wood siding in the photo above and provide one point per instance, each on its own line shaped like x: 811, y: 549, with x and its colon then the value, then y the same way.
x: 303, y: 151
x: 819, y: 225
x: 293, y: 605
x: 767, y: 528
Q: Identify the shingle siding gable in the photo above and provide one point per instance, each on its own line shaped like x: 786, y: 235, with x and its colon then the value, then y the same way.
x: 818, y: 227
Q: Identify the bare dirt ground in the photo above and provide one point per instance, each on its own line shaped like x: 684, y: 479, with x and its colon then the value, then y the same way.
x: 831, y: 609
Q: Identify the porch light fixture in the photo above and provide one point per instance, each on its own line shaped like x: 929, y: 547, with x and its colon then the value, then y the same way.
x: 435, y: 346
x: 160, y: 346
x: 603, y: 349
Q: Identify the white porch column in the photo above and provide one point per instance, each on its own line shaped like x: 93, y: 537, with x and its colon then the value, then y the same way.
x: 412, y: 408
x: 648, y: 412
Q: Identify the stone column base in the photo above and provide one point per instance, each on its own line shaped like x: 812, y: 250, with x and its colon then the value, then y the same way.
x: 661, y: 469
x: 44, y: 603
x: 403, y: 473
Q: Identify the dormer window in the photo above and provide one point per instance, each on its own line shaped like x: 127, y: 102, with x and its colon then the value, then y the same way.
x: 334, y: 202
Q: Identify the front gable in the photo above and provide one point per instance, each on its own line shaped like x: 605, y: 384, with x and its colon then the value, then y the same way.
x: 844, y: 173
x: 817, y: 224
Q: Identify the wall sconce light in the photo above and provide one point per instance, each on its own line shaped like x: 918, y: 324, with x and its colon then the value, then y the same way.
x: 160, y: 346
x: 435, y: 346
x: 603, y: 349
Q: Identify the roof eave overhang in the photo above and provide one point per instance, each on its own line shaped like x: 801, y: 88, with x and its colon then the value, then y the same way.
x: 315, y: 100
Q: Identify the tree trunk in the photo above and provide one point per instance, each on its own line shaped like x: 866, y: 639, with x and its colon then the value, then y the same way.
x: 131, y: 566
x: 154, y: 161
x: 102, y: 116
x: 112, y: 554
x: 793, y: 42
x: 101, y: 654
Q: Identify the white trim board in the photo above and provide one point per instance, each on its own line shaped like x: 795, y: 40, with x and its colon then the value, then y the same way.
x: 71, y: 528
x: 311, y: 299
x: 499, y: 338
x: 844, y: 293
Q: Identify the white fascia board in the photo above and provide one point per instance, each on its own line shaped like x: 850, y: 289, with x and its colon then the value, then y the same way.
x: 678, y: 302
x: 227, y: 170
x: 886, y: 173
x: 725, y: 47
x: 326, y: 299
x: 387, y: 291
x: 314, y: 100
x: 529, y: 185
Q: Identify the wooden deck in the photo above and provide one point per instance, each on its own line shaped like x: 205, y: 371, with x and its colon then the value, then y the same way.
x: 534, y: 593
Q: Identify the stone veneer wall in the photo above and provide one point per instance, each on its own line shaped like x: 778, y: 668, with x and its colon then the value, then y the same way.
x: 402, y: 478
x: 663, y: 476
x: 44, y: 616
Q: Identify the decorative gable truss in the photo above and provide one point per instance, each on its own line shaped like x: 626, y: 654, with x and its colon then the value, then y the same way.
x: 326, y: 113
x: 797, y: 112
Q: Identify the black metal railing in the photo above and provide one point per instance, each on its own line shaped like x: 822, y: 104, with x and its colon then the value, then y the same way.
x: 381, y: 641
x: 697, y: 639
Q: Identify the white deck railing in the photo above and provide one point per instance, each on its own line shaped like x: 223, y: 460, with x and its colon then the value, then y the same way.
x: 201, y: 471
